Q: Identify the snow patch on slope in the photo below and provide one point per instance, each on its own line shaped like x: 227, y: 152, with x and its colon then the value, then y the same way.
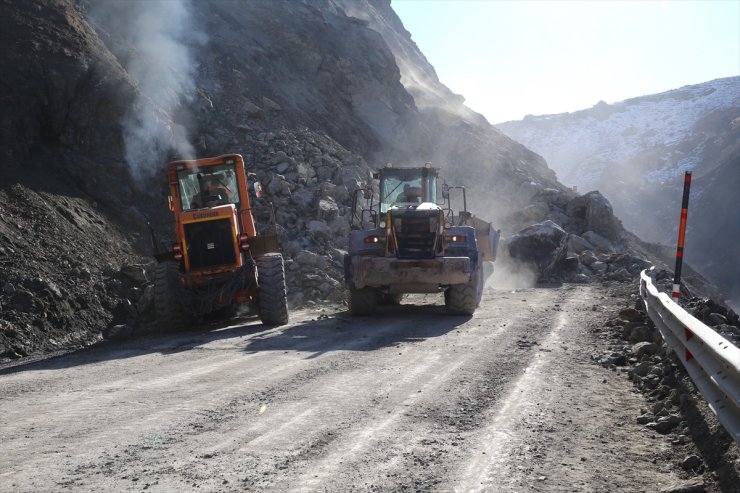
x: 580, y: 146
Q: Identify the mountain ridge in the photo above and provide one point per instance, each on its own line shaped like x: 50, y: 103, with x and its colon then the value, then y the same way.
x: 636, y: 152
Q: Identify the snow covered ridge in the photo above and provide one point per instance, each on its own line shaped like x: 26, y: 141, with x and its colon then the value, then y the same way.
x: 579, y: 146
x: 635, y: 153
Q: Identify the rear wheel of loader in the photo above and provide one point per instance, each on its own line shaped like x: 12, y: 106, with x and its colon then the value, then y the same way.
x: 167, y: 309
x: 463, y: 299
x: 272, y: 300
x: 362, y: 301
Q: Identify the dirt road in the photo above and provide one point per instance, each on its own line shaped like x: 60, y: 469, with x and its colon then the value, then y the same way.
x: 412, y: 399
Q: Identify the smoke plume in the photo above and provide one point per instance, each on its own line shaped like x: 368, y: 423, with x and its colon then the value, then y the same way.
x: 154, y: 41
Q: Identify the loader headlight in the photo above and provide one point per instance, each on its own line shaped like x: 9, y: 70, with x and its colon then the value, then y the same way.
x: 371, y: 240
x: 456, y: 238
x: 382, y: 224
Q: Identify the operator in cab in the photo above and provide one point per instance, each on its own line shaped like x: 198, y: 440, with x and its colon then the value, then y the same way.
x: 409, y: 194
x: 212, y: 192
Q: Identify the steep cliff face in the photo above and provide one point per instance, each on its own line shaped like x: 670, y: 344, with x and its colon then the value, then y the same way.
x: 636, y: 153
x: 501, y: 173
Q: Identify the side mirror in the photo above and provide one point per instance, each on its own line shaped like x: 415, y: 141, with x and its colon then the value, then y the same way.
x: 258, y: 189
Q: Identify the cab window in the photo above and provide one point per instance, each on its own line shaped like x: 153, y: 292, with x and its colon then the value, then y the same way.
x: 208, y: 186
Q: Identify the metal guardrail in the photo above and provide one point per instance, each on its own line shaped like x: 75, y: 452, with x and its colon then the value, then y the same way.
x: 711, y: 360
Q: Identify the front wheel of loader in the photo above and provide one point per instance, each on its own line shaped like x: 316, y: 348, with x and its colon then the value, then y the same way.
x: 272, y: 300
x: 362, y: 302
x: 463, y: 299
x: 167, y: 308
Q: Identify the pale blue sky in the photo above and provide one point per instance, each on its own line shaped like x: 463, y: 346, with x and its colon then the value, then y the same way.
x: 513, y: 58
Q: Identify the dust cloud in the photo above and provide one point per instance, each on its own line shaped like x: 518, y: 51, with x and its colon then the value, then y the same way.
x: 510, y: 273
x: 154, y: 41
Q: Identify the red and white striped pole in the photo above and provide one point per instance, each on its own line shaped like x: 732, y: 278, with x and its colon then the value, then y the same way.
x: 681, y: 235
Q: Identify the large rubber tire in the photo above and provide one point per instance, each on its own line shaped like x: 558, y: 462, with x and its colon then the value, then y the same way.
x: 362, y: 302
x: 463, y: 299
x: 168, y: 311
x: 272, y: 300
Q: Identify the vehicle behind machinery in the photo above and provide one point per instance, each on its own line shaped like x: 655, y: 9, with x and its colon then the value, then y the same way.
x: 411, y: 241
x: 217, y: 260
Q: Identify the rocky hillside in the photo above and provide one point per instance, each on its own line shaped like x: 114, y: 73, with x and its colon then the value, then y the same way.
x: 636, y: 151
x: 98, y: 95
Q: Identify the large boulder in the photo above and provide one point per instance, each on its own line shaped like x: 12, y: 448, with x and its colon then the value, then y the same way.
x: 538, y: 243
x: 595, y: 213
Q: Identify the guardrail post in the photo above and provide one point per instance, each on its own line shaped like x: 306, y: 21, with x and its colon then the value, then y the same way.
x: 681, y: 235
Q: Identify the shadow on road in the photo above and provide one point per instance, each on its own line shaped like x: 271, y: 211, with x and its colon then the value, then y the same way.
x: 390, y: 326
x: 158, y: 342
x: 338, y: 331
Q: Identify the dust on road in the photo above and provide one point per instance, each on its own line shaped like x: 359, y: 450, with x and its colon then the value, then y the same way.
x: 410, y: 400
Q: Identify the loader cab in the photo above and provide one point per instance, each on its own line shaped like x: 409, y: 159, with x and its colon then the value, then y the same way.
x: 208, y: 186
x: 401, y: 187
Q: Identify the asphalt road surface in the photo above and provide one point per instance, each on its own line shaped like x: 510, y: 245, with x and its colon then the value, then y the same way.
x: 409, y: 400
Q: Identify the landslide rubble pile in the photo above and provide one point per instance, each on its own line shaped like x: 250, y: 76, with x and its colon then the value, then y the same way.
x: 309, y: 180
x: 579, y: 239
x: 61, y: 277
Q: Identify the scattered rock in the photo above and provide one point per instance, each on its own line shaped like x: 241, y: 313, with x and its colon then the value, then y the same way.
x: 135, y: 272
x: 118, y: 332
x: 641, y: 333
x: 690, y: 463
x: 644, y: 348
x: 630, y: 314
x: 717, y: 319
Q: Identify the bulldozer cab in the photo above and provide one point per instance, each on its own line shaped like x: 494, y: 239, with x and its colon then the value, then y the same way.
x: 399, y: 186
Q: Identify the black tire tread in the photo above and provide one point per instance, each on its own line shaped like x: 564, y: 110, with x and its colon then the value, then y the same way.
x: 463, y: 299
x: 460, y: 299
x: 168, y: 312
x: 272, y: 300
